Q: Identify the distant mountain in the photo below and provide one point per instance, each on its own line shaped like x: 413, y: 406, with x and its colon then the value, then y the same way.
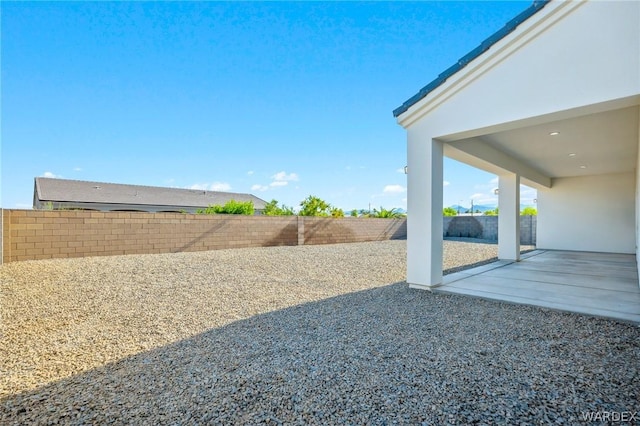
x: 484, y: 208
x: 476, y: 208
x: 458, y: 208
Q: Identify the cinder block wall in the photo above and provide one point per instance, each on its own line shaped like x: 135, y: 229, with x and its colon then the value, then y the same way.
x: 4, y: 230
x: 528, y: 229
x: 30, y: 234
x: 486, y: 227
x: 347, y: 230
x: 33, y: 234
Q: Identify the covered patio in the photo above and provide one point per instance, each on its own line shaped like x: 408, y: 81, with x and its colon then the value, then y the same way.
x: 600, y: 284
x: 553, y: 104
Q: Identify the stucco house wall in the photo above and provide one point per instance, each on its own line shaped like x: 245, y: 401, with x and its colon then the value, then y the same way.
x: 637, y: 197
x: 533, y: 77
x: 588, y: 213
x: 572, y: 59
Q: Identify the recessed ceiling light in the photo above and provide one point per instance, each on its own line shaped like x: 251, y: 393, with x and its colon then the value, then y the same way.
x: 554, y: 133
x: 572, y: 154
x: 583, y: 166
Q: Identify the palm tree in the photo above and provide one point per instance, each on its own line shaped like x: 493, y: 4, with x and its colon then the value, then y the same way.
x: 387, y: 214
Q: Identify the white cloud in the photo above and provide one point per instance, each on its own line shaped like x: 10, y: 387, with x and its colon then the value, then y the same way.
x: 488, y: 186
x: 528, y: 195
x: 394, y: 189
x: 77, y: 169
x: 50, y: 175
x: 215, y: 186
x: 250, y: 172
x: 488, y: 197
x: 259, y: 188
x: 220, y: 186
x: 400, y: 170
x: 280, y: 179
x: 487, y: 200
x: 446, y: 183
x: 284, y: 177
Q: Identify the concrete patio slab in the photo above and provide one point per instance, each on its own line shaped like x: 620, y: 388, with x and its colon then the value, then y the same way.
x: 600, y: 284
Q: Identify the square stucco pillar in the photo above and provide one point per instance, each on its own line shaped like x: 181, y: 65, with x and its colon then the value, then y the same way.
x: 424, y: 207
x: 509, y: 217
x: 638, y: 200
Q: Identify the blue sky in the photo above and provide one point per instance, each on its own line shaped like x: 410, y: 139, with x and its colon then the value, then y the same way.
x: 282, y: 100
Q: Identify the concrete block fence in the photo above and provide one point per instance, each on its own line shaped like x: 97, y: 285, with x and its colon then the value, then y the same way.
x: 486, y: 227
x: 36, y: 234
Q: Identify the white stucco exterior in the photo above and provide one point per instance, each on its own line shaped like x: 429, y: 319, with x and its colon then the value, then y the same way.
x: 637, y: 197
x: 569, y: 66
x: 509, y: 218
x: 569, y: 55
x: 424, y: 177
x: 588, y: 213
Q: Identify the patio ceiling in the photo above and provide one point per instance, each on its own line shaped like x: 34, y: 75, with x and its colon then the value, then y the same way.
x: 588, y: 144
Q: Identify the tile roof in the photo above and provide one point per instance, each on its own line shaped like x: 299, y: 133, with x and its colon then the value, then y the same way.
x: 462, y: 62
x: 63, y: 190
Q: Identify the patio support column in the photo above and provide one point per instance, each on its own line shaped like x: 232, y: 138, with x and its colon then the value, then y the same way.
x: 424, y: 207
x: 509, y: 217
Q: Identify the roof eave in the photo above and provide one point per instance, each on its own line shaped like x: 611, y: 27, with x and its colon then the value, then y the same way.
x: 507, y: 29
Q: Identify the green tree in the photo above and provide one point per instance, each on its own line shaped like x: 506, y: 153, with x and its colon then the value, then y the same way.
x: 360, y: 213
x: 493, y: 212
x: 386, y: 214
x: 449, y: 211
x: 529, y: 211
x: 314, y: 206
x: 231, y: 207
x: 272, y: 209
x: 336, y: 212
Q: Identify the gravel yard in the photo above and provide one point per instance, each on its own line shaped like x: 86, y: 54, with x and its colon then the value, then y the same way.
x: 297, y: 335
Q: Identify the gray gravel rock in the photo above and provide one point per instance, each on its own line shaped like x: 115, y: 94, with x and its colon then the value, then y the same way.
x: 294, y: 335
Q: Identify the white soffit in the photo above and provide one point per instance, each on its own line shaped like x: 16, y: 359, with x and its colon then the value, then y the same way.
x: 599, y: 143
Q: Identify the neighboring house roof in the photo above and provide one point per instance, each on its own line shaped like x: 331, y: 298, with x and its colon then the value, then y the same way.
x: 75, y: 191
x: 462, y: 62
